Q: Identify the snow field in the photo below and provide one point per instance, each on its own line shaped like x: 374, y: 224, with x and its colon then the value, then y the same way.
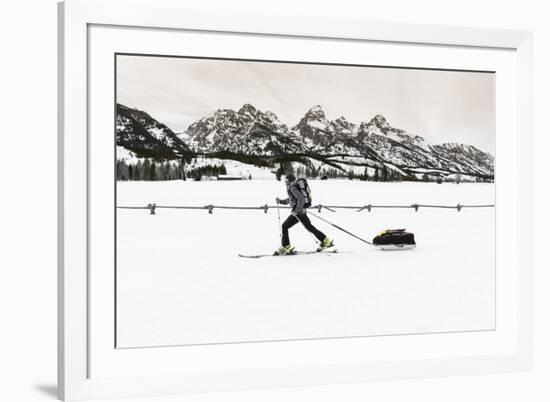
x: 180, y: 280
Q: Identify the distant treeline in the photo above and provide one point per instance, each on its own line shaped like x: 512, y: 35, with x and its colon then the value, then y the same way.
x: 155, y: 170
x: 377, y: 174
x: 206, y: 171
x: 151, y: 170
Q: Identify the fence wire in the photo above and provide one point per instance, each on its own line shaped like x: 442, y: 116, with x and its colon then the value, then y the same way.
x: 319, y: 207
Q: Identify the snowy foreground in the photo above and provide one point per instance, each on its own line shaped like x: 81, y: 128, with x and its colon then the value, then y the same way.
x: 180, y: 280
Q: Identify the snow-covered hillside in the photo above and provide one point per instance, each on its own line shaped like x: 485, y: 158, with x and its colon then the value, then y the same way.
x: 146, y: 137
x: 233, y: 168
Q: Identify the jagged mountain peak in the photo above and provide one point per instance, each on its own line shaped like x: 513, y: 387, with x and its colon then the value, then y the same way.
x: 316, y: 108
x: 313, y: 125
x: 223, y: 120
x: 271, y: 116
x: 380, y: 121
x: 342, y: 121
x: 246, y: 113
x: 220, y: 112
x: 248, y: 108
x: 246, y: 131
x: 342, y: 125
x: 315, y: 112
x: 322, y: 136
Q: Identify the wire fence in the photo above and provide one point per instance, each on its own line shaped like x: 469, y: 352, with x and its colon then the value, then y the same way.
x: 319, y: 207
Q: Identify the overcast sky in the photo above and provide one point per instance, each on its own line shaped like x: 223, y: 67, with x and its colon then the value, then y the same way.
x: 441, y: 106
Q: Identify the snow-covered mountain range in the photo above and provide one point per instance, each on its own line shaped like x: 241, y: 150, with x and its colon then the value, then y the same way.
x: 260, y: 138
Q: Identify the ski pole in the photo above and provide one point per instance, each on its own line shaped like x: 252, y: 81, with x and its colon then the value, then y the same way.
x: 279, y: 217
x: 342, y: 229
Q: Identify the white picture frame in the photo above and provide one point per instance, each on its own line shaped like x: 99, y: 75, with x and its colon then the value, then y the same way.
x: 76, y: 378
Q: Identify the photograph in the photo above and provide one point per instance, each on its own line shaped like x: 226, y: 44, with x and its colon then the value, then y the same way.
x: 283, y: 200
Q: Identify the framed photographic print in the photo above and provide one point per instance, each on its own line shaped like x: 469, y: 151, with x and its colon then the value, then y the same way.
x: 253, y: 201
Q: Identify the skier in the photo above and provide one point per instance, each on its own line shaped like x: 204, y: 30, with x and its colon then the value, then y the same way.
x: 299, y: 199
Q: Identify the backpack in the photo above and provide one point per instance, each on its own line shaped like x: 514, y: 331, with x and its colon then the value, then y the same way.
x: 304, y: 188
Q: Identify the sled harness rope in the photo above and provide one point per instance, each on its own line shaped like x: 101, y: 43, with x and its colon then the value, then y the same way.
x: 342, y: 229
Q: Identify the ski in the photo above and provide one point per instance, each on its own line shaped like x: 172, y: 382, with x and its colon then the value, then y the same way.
x: 288, y: 255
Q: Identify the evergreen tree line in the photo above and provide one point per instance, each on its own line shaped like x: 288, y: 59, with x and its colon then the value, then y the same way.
x: 206, y: 171
x: 151, y: 170
x: 377, y: 173
x: 383, y: 173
